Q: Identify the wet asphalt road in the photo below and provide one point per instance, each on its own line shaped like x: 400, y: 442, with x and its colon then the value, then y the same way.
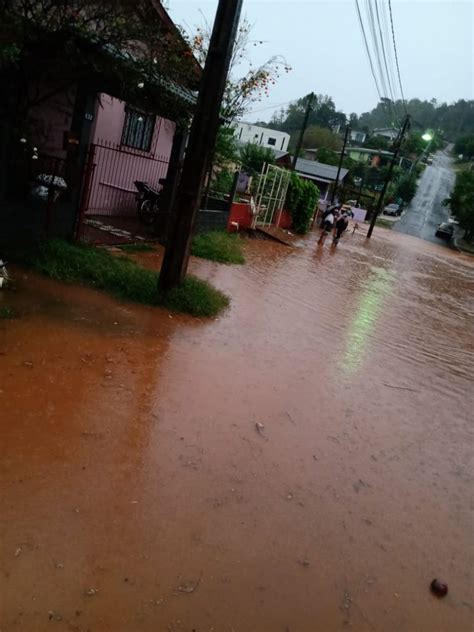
x: 426, y: 210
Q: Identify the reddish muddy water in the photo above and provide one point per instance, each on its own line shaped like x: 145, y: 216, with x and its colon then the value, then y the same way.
x: 301, y: 464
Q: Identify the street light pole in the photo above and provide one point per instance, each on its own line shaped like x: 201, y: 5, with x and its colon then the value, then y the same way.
x: 346, y: 134
x: 309, y: 108
x: 396, y: 149
x: 202, y: 139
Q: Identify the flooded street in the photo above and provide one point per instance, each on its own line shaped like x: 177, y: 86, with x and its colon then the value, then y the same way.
x: 301, y: 464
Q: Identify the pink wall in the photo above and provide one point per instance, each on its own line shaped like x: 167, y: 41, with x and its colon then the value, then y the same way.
x: 109, y: 120
x: 117, y: 166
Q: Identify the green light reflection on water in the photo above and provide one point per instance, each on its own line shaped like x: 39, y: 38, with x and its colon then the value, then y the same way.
x: 364, y: 319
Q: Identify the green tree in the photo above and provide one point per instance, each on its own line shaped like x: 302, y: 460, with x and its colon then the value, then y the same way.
x: 462, y: 203
x: 316, y: 136
x: 327, y: 156
x: 452, y: 120
x: 323, y: 114
x: 406, y: 188
x: 253, y: 157
x: 226, y: 150
x: 377, y: 142
x: 465, y: 145
x: 57, y: 44
x: 246, y: 83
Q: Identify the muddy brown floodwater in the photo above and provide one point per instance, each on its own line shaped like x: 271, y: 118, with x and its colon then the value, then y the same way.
x: 140, y: 495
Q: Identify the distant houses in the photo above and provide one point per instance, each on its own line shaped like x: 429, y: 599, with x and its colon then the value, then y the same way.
x: 263, y: 136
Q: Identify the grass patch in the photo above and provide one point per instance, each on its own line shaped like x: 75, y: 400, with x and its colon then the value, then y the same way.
x: 124, y: 278
x: 385, y: 223
x: 8, y: 313
x: 218, y: 246
x: 132, y: 248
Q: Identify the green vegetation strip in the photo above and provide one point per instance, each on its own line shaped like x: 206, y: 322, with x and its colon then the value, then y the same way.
x: 218, y: 246
x: 124, y: 278
x: 8, y: 313
x: 132, y: 248
x: 384, y: 223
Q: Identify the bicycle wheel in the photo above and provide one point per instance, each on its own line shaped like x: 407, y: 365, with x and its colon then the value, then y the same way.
x: 147, y: 212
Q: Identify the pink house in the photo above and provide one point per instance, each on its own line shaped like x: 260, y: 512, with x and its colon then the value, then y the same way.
x: 129, y: 144
x: 111, y: 120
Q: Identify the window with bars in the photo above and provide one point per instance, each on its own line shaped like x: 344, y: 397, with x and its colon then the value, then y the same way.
x: 138, y: 129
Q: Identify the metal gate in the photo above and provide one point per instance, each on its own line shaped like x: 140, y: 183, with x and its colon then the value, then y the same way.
x: 270, y: 193
x: 109, y: 209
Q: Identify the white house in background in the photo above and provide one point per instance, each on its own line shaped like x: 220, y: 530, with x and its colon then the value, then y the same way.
x: 357, y: 136
x: 248, y: 133
x: 387, y: 132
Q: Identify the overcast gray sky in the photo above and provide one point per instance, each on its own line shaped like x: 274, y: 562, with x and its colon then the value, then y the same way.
x: 321, y: 40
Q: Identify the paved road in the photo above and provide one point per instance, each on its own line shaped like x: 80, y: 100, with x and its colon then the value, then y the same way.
x: 426, y: 210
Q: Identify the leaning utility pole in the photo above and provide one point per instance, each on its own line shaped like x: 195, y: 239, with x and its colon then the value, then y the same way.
x: 309, y: 108
x: 396, y: 149
x: 340, y: 164
x: 201, y: 143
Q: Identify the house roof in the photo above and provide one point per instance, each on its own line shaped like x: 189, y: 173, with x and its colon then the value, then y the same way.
x: 385, y: 129
x: 318, y: 170
x: 279, y: 153
x: 365, y: 150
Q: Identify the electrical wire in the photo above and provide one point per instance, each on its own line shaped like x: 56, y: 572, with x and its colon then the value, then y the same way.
x: 389, y: 80
x: 396, y: 56
x: 367, y: 50
x: 375, y: 43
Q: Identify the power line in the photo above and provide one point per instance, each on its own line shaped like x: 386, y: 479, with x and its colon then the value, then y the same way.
x: 396, y: 56
x: 375, y: 43
x: 271, y: 107
x: 383, y: 52
x: 388, y: 50
x: 390, y: 57
x: 367, y: 49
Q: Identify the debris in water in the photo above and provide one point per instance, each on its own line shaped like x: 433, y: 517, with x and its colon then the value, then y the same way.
x: 90, y: 592
x: 401, y: 388
x: 260, y: 429
x: 17, y: 552
x: 190, y: 587
x: 54, y: 615
x: 304, y: 563
x: 439, y: 587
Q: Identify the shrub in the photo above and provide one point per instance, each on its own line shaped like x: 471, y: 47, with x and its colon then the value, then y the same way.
x: 253, y: 157
x: 301, y: 201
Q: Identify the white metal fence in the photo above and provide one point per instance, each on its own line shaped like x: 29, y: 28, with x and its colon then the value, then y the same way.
x: 271, y: 187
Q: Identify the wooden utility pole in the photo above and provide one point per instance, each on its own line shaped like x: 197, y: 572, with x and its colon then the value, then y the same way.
x: 202, y: 139
x: 346, y: 134
x: 309, y: 108
x: 396, y: 149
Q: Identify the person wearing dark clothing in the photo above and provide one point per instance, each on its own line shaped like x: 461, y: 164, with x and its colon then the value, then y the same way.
x: 326, y: 227
x: 341, y: 225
